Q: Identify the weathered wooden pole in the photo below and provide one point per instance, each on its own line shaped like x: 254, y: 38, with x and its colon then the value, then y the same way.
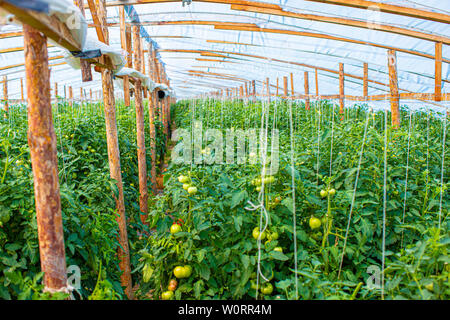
x: 140, y: 127
x: 246, y: 89
x: 22, y: 96
x: 151, y: 108
x: 5, y: 93
x: 438, y: 72
x: 316, y: 76
x: 90, y: 95
x: 123, y: 42
x: 42, y: 143
x: 254, y: 88
x: 70, y: 96
x: 292, y: 84
x: 86, y: 71
x: 307, y: 102
x: 285, y: 86
x: 268, y: 89
x: 277, y: 87
x: 56, y: 89
x: 366, y: 81
x: 393, y: 85
x: 341, y: 88
x: 98, y: 12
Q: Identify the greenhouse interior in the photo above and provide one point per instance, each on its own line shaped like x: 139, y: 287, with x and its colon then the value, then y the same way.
x: 224, y: 150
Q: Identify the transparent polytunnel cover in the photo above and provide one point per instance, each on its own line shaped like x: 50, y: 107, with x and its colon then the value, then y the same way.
x: 210, y: 45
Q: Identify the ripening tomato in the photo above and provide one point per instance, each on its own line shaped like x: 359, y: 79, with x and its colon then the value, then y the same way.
x: 173, y: 285
x: 175, y: 228
x: 187, y: 271
x: 332, y: 192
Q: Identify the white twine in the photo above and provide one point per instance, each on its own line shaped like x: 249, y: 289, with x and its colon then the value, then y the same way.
x: 383, y: 252
x: 442, y: 169
x: 294, y: 221
x: 406, y: 176
x: 354, y: 195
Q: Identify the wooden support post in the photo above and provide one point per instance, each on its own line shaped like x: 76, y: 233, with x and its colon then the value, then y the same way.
x: 241, y: 91
x: 253, y: 87
x: 285, y: 82
x: 70, y: 96
x: 246, y: 89
x: 316, y: 75
x: 86, y: 71
x: 151, y: 108
x: 123, y: 41
x: 5, y: 93
x: 292, y: 84
x: 22, y: 96
x: 140, y: 128
x: 98, y: 13
x: 366, y: 81
x: 341, y: 88
x: 393, y: 85
x: 438, y: 72
x: 307, y: 103
x: 56, y: 89
x: 81, y: 94
x: 277, y: 87
x: 90, y: 95
x: 44, y: 160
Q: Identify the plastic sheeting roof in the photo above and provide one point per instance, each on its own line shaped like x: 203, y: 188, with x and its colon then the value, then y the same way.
x: 239, y: 48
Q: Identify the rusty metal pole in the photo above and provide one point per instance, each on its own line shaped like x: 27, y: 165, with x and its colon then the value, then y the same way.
x: 42, y: 143
x: 140, y: 128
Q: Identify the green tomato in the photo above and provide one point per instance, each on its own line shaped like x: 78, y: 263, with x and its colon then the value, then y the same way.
x: 187, y: 271
x: 332, y: 192
x: 192, y: 190
x: 323, y: 193
x: 274, y: 236
x: 179, y: 272
x: 167, y: 295
x: 183, y: 179
x: 314, y: 223
x: 267, y: 289
x: 186, y: 186
x: 279, y: 249
x: 256, y: 234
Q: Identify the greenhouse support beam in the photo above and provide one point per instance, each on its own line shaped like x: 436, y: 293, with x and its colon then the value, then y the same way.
x: 22, y: 98
x: 70, y: 97
x: 278, y: 86
x: 361, y: 24
x: 285, y: 86
x: 292, y: 83
x: 366, y: 80
x: 307, y: 103
x: 151, y: 108
x: 438, y: 71
x: 99, y: 14
x: 5, y: 94
x: 316, y: 76
x: 44, y: 160
x: 341, y: 88
x: 389, y: 8
x: 56, y: 89
x: 86, y: 71
x: 140, y: 127
x: 393, y: 85
x: 123, y: 43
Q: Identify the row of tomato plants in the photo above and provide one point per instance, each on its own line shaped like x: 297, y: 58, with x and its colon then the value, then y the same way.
x: 208, y: 245
x: 88, y: 206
